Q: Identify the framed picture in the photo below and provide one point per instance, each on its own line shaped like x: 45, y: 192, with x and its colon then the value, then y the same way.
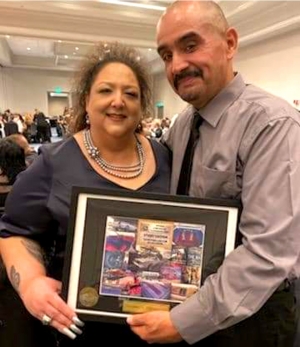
x: 130, y: 252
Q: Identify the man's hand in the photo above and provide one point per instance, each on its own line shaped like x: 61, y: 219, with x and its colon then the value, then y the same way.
x: 154, y: 327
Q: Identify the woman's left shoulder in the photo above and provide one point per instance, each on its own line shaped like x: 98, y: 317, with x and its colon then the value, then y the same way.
x: 57, y: 148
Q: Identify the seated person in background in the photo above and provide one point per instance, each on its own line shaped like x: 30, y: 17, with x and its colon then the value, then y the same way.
x: 144, y: 130
x: 60, y: 129
x: 18, y: 119
x: 113, y: 90
x: 12, y: 162
x: 10, y: 127
x: 30, y: 153
x: 157, y: 129
x: 2, y: 122
x: 28, y: 121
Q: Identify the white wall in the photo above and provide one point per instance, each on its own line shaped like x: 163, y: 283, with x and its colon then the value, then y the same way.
x: 56, y: 105
x: 2, y: 104
x: 23, y: 90
x: 164, y: 93
x: 5, y: 94
x: 273, y: 65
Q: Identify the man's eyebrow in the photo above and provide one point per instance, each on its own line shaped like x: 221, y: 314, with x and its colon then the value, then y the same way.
x: 189, y: 35
x: 161, y: 48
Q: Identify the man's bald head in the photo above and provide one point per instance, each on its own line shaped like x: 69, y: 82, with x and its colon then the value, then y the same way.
x: 208, y: 11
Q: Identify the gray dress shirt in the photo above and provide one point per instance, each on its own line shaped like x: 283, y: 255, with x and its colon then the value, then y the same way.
x: 249, y: 149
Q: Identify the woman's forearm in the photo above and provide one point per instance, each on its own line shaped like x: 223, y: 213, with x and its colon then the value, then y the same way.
x: 23, y: 259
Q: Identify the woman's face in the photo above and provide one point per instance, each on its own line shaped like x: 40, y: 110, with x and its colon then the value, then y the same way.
x: 114, y: 102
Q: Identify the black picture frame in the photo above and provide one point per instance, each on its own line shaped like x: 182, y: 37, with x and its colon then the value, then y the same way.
x: 129, y: 252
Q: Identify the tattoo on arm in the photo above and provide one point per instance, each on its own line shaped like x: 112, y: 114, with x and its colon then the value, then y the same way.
x: 35, y: 250
x: 15, y: 278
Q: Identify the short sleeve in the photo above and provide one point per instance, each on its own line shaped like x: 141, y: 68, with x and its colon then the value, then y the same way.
x: 26, y: 212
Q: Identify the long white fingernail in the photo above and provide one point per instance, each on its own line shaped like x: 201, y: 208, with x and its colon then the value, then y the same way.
x: 77, y: 321
x: 68, y: 333
x: 75, y: 329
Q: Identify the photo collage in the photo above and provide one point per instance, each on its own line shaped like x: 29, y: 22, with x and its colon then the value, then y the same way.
x: 151, y: 259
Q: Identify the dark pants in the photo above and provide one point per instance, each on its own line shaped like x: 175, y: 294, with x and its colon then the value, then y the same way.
x: 297, y: 295
x: 43, y: 133
x: 17, y: 327
x: 273, y: 326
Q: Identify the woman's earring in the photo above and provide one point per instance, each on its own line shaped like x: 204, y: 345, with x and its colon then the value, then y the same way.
x: 87, y: 119
x: 139, y: 128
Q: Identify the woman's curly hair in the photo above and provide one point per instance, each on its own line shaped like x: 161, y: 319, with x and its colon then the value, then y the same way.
x: 12, y: 160
x: 102, y: 54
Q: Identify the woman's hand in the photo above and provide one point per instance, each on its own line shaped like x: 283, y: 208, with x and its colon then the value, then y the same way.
x: 23, y: 259
x: 42, y: 300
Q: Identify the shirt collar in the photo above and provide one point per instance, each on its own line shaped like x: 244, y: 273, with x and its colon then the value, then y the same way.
x: 214, y: 110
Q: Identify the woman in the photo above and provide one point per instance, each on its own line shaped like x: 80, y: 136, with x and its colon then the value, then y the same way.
x: 12, y: 162
x: 106, y: 151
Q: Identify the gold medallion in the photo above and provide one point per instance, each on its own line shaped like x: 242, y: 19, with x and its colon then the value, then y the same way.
x: 88, y: 297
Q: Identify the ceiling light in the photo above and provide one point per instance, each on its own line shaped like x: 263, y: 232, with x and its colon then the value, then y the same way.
x: 134, y: 4
x: 60, y: 95
x: 7, y: 36
x: 76, y: 48
x: 28, y: 48
x: 59, y: 41
x: 149, y: 49
x: 66, y: 56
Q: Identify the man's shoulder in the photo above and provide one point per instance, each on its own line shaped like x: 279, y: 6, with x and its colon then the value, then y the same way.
x: 269, y: 106
x: 183, y: 116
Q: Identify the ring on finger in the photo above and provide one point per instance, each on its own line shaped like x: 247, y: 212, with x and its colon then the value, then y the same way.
x: 46, y: 320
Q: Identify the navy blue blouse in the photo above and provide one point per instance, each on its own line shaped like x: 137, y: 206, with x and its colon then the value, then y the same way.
x: 38, y: 205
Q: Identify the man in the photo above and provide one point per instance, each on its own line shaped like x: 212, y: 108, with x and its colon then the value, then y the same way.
x: 248, y: 149
x: 43, y: 127
x: 30, y: 153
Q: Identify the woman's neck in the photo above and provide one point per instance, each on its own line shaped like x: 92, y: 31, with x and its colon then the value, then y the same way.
x: 117, y: 149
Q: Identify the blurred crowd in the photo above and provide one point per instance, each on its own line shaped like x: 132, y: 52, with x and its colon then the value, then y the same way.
x: 154, y: 128
x: 35, y: 127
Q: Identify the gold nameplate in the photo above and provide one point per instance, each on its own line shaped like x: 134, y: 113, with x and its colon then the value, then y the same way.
x: 135, y: 306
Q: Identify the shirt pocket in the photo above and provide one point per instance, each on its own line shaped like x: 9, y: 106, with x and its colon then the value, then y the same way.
x: 212, y: 183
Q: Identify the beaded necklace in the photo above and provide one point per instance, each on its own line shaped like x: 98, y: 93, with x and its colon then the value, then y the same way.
x: 131, y: 171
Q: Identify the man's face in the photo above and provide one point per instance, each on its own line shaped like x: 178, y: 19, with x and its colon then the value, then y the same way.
x: 195, y: 55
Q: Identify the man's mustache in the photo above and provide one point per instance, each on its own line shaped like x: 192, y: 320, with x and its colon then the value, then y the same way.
x: 187, y: 73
